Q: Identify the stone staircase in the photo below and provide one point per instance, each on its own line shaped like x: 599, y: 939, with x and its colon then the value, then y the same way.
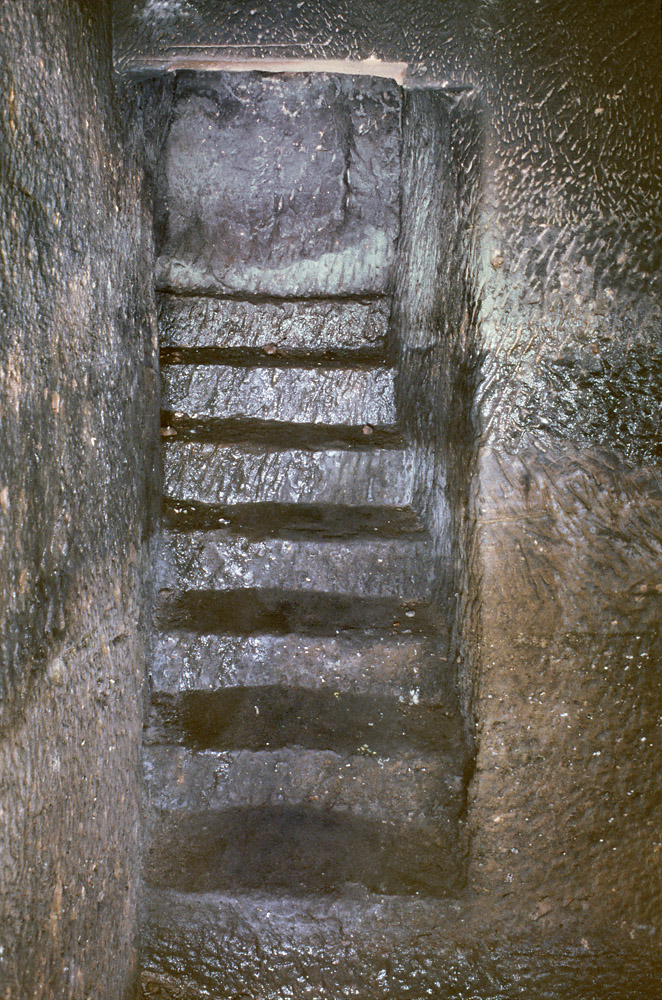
x: 303, y: 745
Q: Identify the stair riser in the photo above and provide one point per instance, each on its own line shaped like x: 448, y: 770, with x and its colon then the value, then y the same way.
x: 215, y: 475
x: 288, y: 395
x: 212, y: 561
x: 410, y: 787
x: 412, y: 669
x: 289, y: 327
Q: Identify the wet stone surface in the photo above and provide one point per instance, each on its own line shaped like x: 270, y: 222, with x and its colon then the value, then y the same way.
x: 279, y: 327
x: 354, y: 396
x: 280, y: 186
x: 411, y: 668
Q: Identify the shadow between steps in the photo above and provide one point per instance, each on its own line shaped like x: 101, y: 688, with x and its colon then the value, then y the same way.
x: 301, y: 851
x: 254, y: 611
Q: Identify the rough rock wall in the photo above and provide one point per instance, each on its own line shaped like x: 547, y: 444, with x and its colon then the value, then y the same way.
x: 568, y: 548
x: 76, y: 386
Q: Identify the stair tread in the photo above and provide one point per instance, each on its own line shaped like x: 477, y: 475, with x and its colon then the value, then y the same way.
x: 210, y: 473
x: 274, y: 717
x: 345, y: 396
x: 255, y: 611
x: 259, y: 521
x: 216, y: 560
x: 331, y: 325
x: 402, y: 666
x: 283, y: 938
x: 411, y: 785
x: 311, y: 850
x: 276, y: 435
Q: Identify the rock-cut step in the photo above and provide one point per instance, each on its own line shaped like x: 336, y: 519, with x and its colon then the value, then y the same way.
x: 415, y: 786
x: 250, y: 487
x: 372, y: 567
x: 308, y: 820
x: 216, y: 581
x: 412, y: 668
x: 360, y: 396
x: 217, y: 326
x: 300, y: 850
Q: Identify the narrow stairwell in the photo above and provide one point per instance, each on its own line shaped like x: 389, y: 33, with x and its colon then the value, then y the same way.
x: 304, y: 740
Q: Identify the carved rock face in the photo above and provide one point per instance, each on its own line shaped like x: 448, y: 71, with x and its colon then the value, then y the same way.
x: 283, y: 186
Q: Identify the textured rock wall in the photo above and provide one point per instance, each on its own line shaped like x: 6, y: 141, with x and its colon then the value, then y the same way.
x: 77, y: 387
x: 434, y: 325
x: 565, y: 807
